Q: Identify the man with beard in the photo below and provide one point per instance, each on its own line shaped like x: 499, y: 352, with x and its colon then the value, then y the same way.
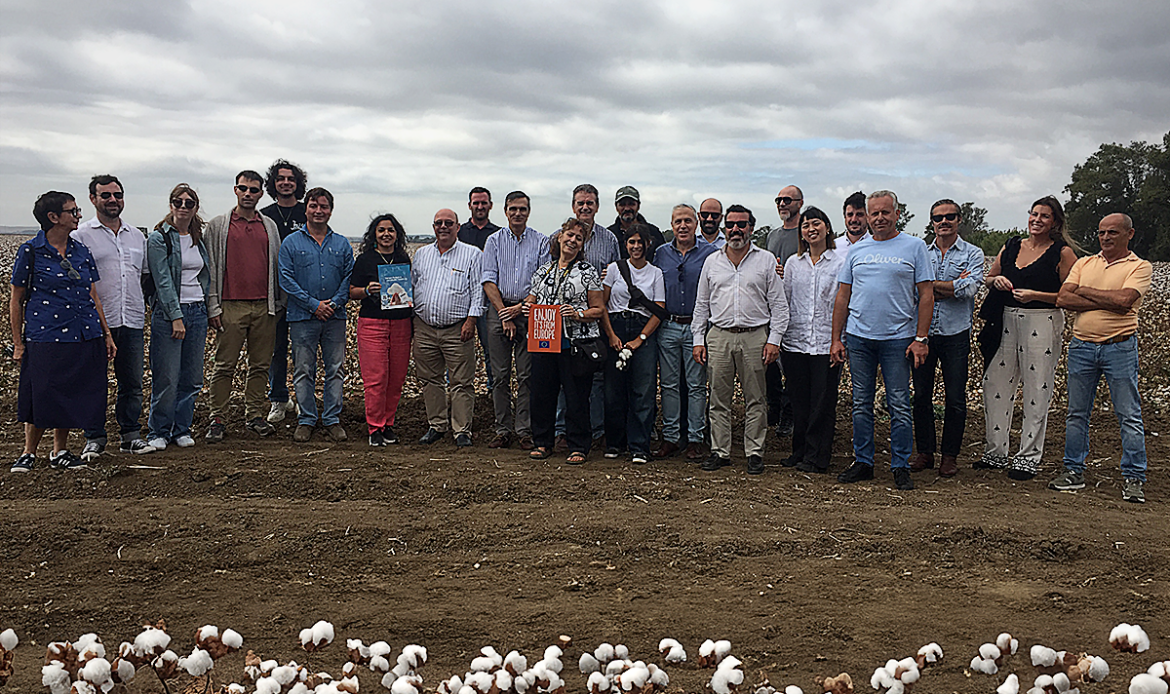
x: 628, y: 203
x: 743, y: 297
x: 710, y: 220
x: 119, y: 250
x: 856, y: 226
x: 286, y: 185
x: 475, y: 232
x: 783, y: 242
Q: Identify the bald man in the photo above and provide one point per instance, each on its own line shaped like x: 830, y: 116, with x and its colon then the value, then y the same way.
x: 782, y: 242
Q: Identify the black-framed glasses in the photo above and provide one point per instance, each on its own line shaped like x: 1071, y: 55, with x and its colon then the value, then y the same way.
x: 181, y: 204
x: 106, y: 195
x: 69, y: 270
x: 254, y: 190
x: 785, y: 200
x: 75, y: 211
x: 738, y: 224
x: 710, y: 215
x: 442, y: 223
x: 949, y: 216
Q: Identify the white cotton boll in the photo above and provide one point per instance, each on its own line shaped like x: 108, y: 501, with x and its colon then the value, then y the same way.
x: 1042, y: 656
x: 451, y: 686
x: 125, y: 670
x: 658, y: 676
x: 231, y: 638
x: 672, y: 651
x: 724, y: 680
x: 503, y: 680
x: 1061, y: 682
x: 380, y: 648
x: 90, y: 643
x: 598, y: 682
x: 489, y: 652
x: 987, y: 667
x: 8, y: 640
x: 604, y: 653
x: 989, y: 651
x: 409, y: 684
x: 1160, y: 669
x: 634, y: 678
x: 1010, y: 686
x: 284, y: 674
x: 793, y: 689
x: 588, y: 664
x: 615, y: 667
x: 206, y: 632
x: 1118, y: 632
x: 234, y: 688
x: 482, y: 664
x: 1043, y: 681
x: 896, y: 688
x: 466, y: 689
x: 1098, y: 669
x: 881, y: 679
x: 306, y: 636
x: 299, y: 688
x: 198, y: 663
x: 553, y: 652
x: 729, y: 662
x: 620, y: 651
x: 1138, y: 638
x: 722, y: 649
x: 521, y: 684
x: 415, y: 655
x: 379, y: 664
x: 388, y: 680
x: 400, y: 668
x: 82, y: 687
x: 909, y: 669
x: 267, y: 685
x: 553, y: 664
x: 96, y: 671
x: 323, y: 633
x: 268, y: 665
x: 480, y: 681
x: 516, y: 663
x: 1145, y: 683
x: 707, y: 649
x: 554, y: 683
x: 55, y: 677
x: 931, y: 653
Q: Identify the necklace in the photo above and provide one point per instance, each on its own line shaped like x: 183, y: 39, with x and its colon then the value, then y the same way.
x: 384, y: 260
x: 285, y: 216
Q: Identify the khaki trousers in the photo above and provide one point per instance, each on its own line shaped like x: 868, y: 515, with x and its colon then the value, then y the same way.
x: 243, y: 322
x: 731, y: 354
x: 439, y: 352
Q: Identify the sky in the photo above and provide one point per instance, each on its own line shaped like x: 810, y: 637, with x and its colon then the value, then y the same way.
x: 402, y: 107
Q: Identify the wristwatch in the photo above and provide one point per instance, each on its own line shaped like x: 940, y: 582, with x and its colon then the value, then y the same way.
x: 922, y: 340
x: 643, y: 337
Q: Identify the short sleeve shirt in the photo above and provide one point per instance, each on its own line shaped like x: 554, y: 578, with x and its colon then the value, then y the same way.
x: 883, y: 303
x: 59, y: 308
x: 553, y: 286
x: 365, y: 270
x: 649, y: 279
x: 1130, y: 272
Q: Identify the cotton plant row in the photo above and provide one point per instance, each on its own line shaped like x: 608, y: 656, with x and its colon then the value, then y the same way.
x: 1156, y: 680
x: 900, y: 676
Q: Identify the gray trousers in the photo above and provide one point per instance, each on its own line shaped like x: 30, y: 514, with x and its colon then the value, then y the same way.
x: 438, y: 351
x: 506, y: 355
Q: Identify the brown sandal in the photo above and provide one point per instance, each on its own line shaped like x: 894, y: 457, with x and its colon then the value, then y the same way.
x: 540, y: 453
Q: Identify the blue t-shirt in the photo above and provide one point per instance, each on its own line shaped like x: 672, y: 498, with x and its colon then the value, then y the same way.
x: 59, y: 307
x: 883, y: 304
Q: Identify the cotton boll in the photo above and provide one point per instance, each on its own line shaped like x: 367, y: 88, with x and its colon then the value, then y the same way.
x: 722, y: 649
x: 1006, y: 644
x: 554, y: 683
x: 553, y: 664
x: 198, y: 663
x: 1093, y: 668
x: 503, y: 680
x: 8, y: 640
x: 81, y: 687
x: 793, y: 689
x: 598, y: 683
x: 1043, y: 681
x: 380, y: 648
x: 232, y: 639
x: 604, y: 653
x: 234, y: 688
x: 515, y: 663
x: 1043, y: 656
x: 553, y: 653
x: 465, y: 689
x: 1145, y: 683
x: 1010, y: 686
x: 96, y: 671
x: 1138, y: 640
x: 379, y: 664
x: 482, y: 664
x: 615, y: 667
x: 489, y: 652
x: 725, y: 680
x: 989, y: 651
x: 479, y: 681
x: 55, y: 677
x: 672, y: 651
x: 451, y: 686
x: 658, y: 677
x: 707, y: 650
x: 389, y: 679
x: 1061, y: 682
x: 284, y: 674
x: 1160, y: 669
x: 907, y: 671
x: 206, y: 632
x: 987, y: 667
x: 407, y: 684
x: 881, y: 679
x: 89, y: 646
x: 267, y: 685
x: 122, y: 671
x: 930, y: 653
x: 729, y: 662
x: 349, y: 685
x: 619, y: 651
x: 588, y: 664
x: 400, y: 668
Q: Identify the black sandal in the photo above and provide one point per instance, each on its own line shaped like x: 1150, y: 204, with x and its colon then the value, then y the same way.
x: 540, y: 453
x: 575, y: 458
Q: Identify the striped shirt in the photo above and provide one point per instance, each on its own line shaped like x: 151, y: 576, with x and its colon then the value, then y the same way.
x: 509, y: 263
x: 601, y: 249
x: 447, y: 286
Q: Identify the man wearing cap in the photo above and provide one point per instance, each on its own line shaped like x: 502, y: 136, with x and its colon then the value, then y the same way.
x: 1105, y: 292
x: 628, y: 202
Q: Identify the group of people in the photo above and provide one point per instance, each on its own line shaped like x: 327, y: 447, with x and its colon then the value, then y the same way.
x: 640, y: 314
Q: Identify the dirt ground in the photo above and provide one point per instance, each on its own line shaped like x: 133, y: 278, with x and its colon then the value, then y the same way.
x: 457, y: 549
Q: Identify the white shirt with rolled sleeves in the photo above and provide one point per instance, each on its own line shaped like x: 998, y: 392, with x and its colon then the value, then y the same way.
x: 747, y: 296
x: 447, y: 286
x: 811, y: 290
x: 121, y: 262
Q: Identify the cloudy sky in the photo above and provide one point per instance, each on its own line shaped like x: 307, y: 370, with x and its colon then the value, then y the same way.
x: 403, y: 106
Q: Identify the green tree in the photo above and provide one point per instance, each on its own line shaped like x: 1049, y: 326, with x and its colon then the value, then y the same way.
x: 972, y: 221
x: 904, y: 217
x: 1133, y: 179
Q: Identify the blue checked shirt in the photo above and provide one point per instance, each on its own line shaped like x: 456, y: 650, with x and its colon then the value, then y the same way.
x: 681, y: 273
x: 448, y: 287
x: 311, y: 273
x: 952, y: 315
x: 509, y: 263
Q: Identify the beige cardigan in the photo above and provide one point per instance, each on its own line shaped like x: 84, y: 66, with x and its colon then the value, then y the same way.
x: 215, y: 238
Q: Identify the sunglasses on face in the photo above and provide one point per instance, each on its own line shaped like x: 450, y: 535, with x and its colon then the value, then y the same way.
x: 248, y: 189
x: 75, y: 211
x: 181, y: 204
x: 949, y: 216
x: 444, y: 223
x: 710, y: 215
x: 785, y: 200
x: 740, y: 224
x: 106, y: 195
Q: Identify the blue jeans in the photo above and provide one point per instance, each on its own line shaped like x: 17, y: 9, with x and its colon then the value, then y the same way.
x: 953, y: 354
x: 1118, y: 362
x: 676, y: 362
x: 176, y: 368
x: 865, y: 356
x: 306, y: 336
x: 630, y: 392
x: 128, y: 367
x: 278, y: 369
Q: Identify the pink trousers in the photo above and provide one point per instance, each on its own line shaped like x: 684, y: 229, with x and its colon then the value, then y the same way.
x: 383, y: 355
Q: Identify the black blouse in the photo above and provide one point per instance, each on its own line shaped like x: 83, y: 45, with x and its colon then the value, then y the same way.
x: 1041, y: 275
x: 365, y: 270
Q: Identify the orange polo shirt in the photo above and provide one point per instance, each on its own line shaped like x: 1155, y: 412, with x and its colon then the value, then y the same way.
x: 1130, y: 272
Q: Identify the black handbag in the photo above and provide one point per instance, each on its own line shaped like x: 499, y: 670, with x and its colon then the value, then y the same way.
x: 587, y: 354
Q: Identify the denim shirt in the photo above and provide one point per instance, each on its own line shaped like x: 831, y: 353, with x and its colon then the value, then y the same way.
x: 59, y: 308
x: 312, y: 273
x: 681, y: 274
x: 167, y: 270
x: 952, y: 315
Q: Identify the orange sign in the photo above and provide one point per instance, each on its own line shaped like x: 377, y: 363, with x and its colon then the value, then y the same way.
x: 544, y: 328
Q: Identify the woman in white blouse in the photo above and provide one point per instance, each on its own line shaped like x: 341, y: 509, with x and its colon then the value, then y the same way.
x: 810, y: 283
x: 629, y: 323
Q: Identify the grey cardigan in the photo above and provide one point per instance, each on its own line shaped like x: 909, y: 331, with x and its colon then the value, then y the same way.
x: 215, y: 237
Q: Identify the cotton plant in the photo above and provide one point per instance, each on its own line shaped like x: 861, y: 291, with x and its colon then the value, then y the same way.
x: 896, y: 676
x: 1155, y: 680
x: 991, y: 655
x: 728, y: 675
x: 711, y: 653
x: 317, y: 637
x: 672, y: 651
x: 1129, y: 638
x: 8, y: 643
x: 767, y: 688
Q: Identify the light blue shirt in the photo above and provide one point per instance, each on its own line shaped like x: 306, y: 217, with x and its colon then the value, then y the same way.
x: 311, y: 273
x: 509, y: 263
x: 952, y: 315
x: 883, y: 304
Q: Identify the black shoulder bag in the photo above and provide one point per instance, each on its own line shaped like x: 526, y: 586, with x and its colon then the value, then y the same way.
x: 637, y: 298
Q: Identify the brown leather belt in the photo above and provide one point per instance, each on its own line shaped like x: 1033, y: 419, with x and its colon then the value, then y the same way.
x: 1115, y: 340
x: 741, y: 330
x: 681, y: 320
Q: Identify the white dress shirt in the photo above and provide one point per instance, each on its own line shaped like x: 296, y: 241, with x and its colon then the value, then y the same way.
x: 811, y: 290
x: 121, y: 262
x: 447, y: 286
x: 748, y: 296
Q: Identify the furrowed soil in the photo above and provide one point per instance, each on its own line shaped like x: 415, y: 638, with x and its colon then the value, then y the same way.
x: 456, y: 549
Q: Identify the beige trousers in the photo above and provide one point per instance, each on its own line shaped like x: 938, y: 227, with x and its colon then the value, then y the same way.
x: 443, y: 363
x: 731, y: 354
x: 243, y: 322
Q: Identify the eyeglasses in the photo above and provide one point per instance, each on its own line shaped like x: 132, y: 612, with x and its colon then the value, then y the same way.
x: 248, y: 189
x: 444, y: 223
x: 181, y: 204
x: 740, y: 224
x: 75, y: 211
x: 710, y: 215
x: 68, y: 268
x: 106, y: 195
x: 949, y: 216
x: 785, y: 200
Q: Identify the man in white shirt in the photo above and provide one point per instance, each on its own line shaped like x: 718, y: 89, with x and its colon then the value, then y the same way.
x: 856, y: 225
x: 742, y: 296
x: 448, y: 300
x: 120, y: 253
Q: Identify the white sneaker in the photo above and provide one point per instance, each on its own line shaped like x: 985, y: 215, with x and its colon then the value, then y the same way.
x: 184, y: 441
x: 279, y: 410
x: 158, y: 444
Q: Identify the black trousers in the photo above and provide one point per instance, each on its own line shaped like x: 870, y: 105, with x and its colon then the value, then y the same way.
x: 812, y: 391
x: 953, y: 354
x: 779, y: 404
x: 550, y: 374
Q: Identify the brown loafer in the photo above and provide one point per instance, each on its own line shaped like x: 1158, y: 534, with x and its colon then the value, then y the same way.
x: 500, y: 441
x: 695, y: 451
x: 526, y: 443
x: 949, y: 466
x: 667, y: 449
x: 561, y: 444
x: 922, y: 461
